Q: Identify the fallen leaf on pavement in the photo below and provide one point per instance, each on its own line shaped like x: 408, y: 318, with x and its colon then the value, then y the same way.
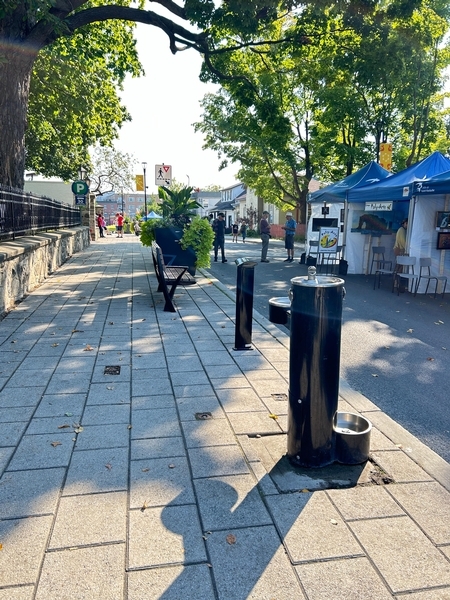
x: 88, y: 348
x: 333, y: 521
x: 430, y: 358
x: 108, y: 466
x: 63, y: 426
x: 231, y: 539
x: 374, y: 375
x: 171, y: 466
x: 274, y: 417
x: 144, y: 506
x: 54, y: 444
x: 409, y: 330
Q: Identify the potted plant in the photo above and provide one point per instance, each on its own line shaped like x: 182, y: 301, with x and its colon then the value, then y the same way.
x: 183, y: 236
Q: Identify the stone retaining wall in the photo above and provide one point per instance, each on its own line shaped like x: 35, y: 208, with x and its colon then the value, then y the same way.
x: 27, y: 261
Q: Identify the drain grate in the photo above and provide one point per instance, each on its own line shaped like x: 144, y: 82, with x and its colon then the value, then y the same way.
x: 112, y: 370
x: 279, y: 397
x: 203, y: 416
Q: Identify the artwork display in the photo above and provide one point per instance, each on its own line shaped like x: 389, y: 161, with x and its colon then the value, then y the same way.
x: 443, y: 241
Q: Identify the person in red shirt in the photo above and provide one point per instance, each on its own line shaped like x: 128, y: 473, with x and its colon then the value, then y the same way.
x: 119, y: 220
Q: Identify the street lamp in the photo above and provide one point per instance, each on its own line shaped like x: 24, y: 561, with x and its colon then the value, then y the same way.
x: 144, y: 164
x: 122, y: 203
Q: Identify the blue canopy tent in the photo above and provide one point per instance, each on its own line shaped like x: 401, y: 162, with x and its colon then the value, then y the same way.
x: 430, y: 230
x: 399, y: 187
x: 153, y: 215
x: 336, y: 194
x: 392, y: 195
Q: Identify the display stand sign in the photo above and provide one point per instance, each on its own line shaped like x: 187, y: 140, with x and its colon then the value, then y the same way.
x: 328, y: 239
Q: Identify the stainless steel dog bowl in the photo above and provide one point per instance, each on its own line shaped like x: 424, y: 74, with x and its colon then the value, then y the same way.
x: 352, y: 438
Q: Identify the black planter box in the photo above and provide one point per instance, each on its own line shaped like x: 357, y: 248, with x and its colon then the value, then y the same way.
x: 168, y: 239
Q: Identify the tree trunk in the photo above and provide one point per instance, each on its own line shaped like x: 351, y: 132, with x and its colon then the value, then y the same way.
x: 15, y: 73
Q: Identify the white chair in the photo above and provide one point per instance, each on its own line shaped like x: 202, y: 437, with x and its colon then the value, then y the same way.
x: 425, y: 273
x: 378, y: 259
x: 404, y: 270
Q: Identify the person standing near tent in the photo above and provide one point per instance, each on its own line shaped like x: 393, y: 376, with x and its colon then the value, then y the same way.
x: 219, y: 239
x: 289, y: 232
x: 400, y: 239
x: 264, y: 230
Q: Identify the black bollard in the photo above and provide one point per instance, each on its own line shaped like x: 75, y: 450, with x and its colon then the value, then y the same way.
x: 244, y: 303
x: 316, y: 316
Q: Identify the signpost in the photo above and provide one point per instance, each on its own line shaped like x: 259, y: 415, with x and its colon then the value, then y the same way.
x: 80, y: 200
x: 80, y: 188
x: 163, y: 174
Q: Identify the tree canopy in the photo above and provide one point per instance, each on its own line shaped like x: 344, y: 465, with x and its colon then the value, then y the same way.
x: 88, y: 46
x: 360, y: 76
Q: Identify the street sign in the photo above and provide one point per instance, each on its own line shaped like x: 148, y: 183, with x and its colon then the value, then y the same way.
x: 80, y: 188
x: 163, y: 174
x: 80, y: 200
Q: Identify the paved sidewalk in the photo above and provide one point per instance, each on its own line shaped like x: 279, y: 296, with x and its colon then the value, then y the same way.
x: 111, y: 488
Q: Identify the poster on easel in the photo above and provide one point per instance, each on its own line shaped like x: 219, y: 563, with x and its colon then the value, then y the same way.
x: 328, y: 240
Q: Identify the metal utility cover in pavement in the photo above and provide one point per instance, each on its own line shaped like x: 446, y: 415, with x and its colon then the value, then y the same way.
x: 112, y: 370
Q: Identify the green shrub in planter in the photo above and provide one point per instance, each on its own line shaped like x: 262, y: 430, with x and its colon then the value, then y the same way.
x: 199, y: 236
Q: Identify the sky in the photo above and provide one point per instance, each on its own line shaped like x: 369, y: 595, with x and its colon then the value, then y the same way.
x: 163, y: 106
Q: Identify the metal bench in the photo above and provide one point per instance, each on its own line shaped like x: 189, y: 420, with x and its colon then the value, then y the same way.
x: 169, y: 276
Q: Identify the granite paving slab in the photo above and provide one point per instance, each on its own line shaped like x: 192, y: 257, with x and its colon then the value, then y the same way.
x: 250, y: 563
x: 23, y: 545
x: 189, y: 407
x: 311, y: 527
x: 165, y: 536
x: 12, y: 396
x: 93, y: 437
x: 22, y: 593
x: 112, y: 393
x: 402, y: 468
x: 151, y: 387
x: 171, y: 583
x: 93, y: 471
x: 42, y: 451
x: 347, y: 579
x: 230, y: 502
x: 27, y: 493
x: 90, y: 519
x: 252, y: 423
x: 417, y: 565
x: 160, y: 481
x: 158, y: 401
x: 106, y: 414
x: 61, y: 405
x: 240, y: 400
x: 209, y: 432
x: 217, y: 461
x: 360, y: 502
x: 96, y: 573
x: 10, y: 433
x: 429, y: 505
x: 155, y: 423
x: 157, y: 448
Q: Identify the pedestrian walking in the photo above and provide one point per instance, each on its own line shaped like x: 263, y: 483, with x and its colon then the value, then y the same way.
x: 235, y: 231
x: 119, y: 220
x: 101, y: 224
x: 289, y: 232
x: 137, y: 228
x: 264, y: 230
x: 244, y: 231
x: 219, y: 239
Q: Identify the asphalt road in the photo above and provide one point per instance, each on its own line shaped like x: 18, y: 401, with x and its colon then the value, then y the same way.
x: 395, y: 349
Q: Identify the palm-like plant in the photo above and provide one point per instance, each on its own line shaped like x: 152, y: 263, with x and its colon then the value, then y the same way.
x: 178, y: 206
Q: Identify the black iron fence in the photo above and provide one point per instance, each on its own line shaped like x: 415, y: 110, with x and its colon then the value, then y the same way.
x: 22, y: 213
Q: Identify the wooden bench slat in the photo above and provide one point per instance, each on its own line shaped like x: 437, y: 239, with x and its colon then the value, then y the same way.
x: 172, y: 276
